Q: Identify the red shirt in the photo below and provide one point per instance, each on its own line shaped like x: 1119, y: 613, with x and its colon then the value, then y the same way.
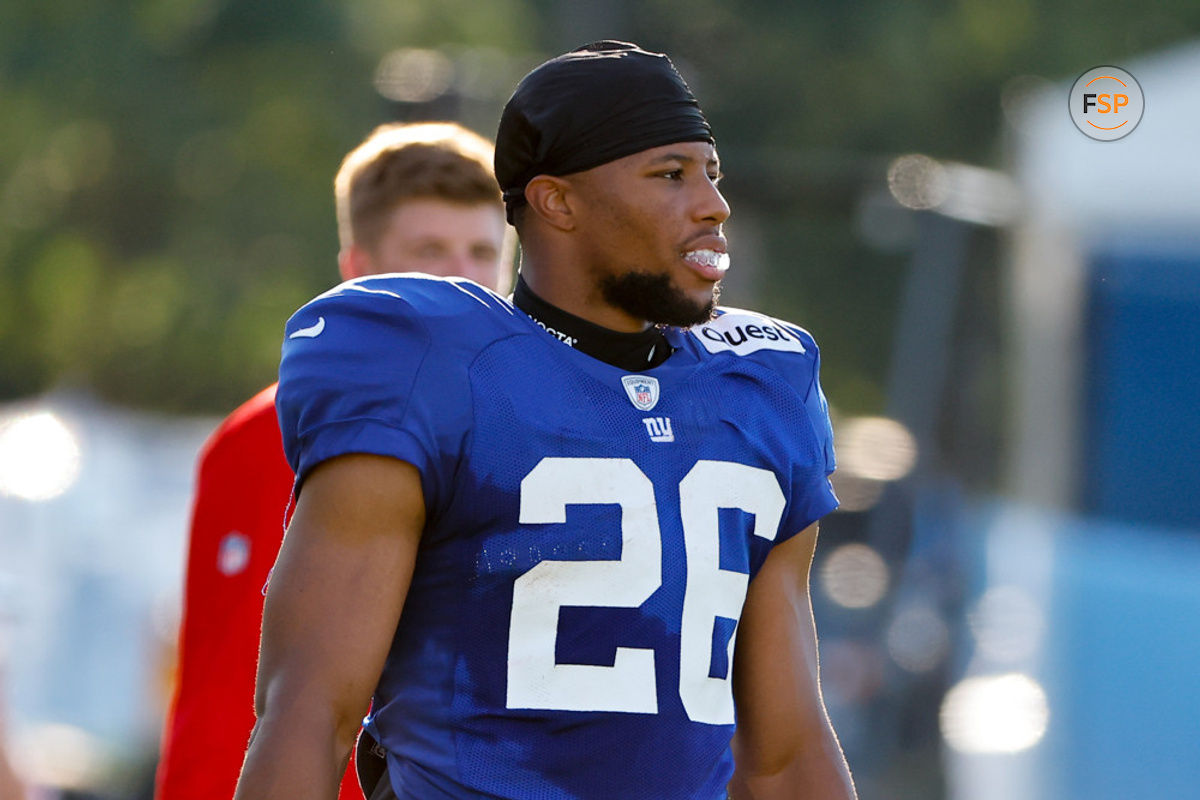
x: 242, y: 494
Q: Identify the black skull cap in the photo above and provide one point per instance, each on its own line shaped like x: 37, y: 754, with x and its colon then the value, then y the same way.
x: 600, y: 102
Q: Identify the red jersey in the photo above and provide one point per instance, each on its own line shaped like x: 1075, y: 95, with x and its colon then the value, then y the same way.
x: 242, y: 493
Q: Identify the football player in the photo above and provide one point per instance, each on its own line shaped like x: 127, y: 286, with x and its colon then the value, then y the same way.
x: 415, y: 197
x: 563, y: 541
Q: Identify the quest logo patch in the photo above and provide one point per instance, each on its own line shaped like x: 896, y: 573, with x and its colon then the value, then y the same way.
x: 743, y: 333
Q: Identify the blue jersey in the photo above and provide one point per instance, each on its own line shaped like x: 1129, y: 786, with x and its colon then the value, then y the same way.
x: 590, y: 532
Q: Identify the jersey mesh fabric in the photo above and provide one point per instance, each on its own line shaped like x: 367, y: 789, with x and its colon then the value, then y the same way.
x: 491, y: 398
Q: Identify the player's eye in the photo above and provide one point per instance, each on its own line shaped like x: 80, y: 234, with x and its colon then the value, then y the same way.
x: 716, y: 177
x: 431, y: 250
x: 672, y: 175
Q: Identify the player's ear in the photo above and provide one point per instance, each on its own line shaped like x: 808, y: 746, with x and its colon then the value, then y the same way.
x: 353, y: 262
x: 550, y: 198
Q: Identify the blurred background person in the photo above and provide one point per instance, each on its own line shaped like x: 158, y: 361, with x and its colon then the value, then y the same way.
x: 410, y: 198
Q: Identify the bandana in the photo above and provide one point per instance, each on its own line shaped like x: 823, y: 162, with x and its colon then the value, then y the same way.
x: 593, y: 105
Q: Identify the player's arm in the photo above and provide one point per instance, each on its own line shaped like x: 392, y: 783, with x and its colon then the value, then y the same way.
x: 784, y: 746
x: 331, y: 612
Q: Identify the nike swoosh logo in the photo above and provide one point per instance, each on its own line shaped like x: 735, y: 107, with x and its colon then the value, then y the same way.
x: 311, y: 332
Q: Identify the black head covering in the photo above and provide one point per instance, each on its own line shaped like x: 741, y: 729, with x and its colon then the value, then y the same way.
x: 595, y: 104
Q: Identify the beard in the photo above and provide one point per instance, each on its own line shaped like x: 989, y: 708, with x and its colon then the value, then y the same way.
x: 656, y: 299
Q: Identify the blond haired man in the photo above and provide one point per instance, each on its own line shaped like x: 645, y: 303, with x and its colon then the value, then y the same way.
x: 410, y: 198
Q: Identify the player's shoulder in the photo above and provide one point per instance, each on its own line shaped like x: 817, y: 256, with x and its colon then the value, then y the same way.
x: 437, y: 308
x: 748, y: 333
x: 747, y: 342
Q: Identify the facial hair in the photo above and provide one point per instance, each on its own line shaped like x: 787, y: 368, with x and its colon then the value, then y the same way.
x: 656, y: 299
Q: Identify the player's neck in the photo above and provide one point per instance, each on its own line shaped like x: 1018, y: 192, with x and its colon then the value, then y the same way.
x: 555, y: 273
x: 630, y: 351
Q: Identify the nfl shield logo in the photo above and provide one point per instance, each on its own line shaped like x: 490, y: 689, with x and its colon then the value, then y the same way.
x: 642, y: 391
x: 233, y: 554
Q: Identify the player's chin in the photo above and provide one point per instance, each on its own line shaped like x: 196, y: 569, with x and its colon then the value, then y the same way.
x: 700, y: 287
x: 662, y: 297
x: 694, y: 305
x: 705, y: 299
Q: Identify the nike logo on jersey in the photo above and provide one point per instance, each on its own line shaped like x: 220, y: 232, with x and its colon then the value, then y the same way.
x: 311, y: 332
x: 744, y: 333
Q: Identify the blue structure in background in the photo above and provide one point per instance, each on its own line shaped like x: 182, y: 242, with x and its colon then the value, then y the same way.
x: 1141, y: 460
x: 1123, y: 663
x: 1099, y: 525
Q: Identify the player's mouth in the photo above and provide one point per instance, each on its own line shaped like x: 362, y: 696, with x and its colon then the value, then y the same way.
x: 709, y: 260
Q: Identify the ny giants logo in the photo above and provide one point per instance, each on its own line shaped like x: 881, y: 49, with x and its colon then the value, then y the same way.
x: 659, y: 429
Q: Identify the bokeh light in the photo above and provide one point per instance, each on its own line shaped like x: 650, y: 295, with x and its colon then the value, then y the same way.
x: 855, y: 576
x: 918, y: 638
x: 414, y: 75
x: 1007, y: 624
x: 855, y: 493
x: 39, y: 456
x: 875, y: 448
x: 995, y: 714
x: 917, y: 181
x: 961, y: 191
x: 62, y: 756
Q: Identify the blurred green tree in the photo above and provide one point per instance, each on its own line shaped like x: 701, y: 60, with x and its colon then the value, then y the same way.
x: 166, y: 165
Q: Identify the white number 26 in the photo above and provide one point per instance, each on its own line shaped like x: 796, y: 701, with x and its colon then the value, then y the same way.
x: 536, y: 681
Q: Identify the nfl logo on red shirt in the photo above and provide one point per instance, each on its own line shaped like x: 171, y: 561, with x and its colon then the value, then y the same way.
x: 642, y: 391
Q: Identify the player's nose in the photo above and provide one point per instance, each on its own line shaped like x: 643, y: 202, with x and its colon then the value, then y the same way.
x: 710, y: 205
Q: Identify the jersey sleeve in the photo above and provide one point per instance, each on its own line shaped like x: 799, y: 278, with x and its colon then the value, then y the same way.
x: 812, y: 495
x: 360, y: 373
x: 818, y: 412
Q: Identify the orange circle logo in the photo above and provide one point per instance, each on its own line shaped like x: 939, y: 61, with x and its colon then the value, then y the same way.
x: 1106, y: 103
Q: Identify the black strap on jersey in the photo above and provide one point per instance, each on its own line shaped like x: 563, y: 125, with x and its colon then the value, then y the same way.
x: 370, y: 763
x: 629, y: 351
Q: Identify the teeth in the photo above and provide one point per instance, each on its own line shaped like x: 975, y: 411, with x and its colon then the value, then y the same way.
x: 709, y: 258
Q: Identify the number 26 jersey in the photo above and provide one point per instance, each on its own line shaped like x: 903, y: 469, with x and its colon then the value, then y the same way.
x: 590, y: 533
